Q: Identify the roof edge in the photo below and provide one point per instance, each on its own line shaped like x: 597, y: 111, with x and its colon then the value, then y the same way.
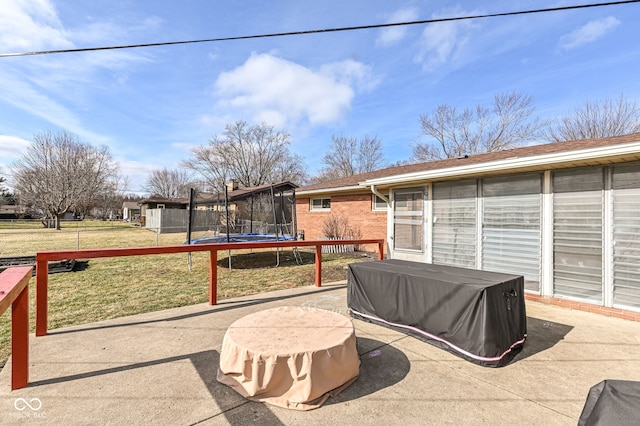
x: 510, y: 163
x: 357, y: 187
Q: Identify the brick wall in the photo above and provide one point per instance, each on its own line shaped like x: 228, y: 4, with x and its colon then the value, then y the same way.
x: 586, y: 307
x: 357, y: 209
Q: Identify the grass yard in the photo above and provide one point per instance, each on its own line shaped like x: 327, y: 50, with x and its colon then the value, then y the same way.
x: 115, y: 287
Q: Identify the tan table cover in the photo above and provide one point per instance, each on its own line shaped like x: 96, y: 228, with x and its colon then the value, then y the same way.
x: 291, y: 356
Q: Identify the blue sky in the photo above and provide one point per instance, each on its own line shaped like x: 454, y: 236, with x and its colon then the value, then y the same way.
x: 150, y: 105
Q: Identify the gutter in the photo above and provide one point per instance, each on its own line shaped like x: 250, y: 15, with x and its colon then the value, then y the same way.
x: 512, y: 163
x: 329, y: 190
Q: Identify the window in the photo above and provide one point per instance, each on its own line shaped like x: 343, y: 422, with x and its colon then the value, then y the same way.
x: 454, y: 223
x: 511, y: 226
x: 160, y: 206
x: 626, y: 235
x: 378, y: 204
x: 578, y: 209
x: 319, y: 204
x: 408, y: 215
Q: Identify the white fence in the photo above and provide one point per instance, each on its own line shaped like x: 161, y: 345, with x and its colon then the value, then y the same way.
x: 346, y: 248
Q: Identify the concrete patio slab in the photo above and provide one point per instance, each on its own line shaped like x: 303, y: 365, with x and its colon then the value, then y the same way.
x: 160, y: 368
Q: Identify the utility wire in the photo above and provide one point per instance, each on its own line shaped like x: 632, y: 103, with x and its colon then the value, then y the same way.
x: 320, y: 31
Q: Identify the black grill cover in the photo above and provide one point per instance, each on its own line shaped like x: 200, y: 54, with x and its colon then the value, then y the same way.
x: 612, y: 402
x: 477, y: 315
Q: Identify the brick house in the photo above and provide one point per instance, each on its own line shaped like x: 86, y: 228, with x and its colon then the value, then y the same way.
x: 343, y: 197
x: 565, y: 215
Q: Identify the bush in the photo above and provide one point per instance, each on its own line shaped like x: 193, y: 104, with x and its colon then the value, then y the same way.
x: 337, y: 227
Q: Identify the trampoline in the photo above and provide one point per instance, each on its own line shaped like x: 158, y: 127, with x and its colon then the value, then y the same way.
x: 255, y: 206
x: 242, y: 238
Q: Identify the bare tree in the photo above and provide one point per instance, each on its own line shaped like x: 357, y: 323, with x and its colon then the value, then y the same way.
x: 3, y: 188
x: 348, y: 156
x: 507, y: 124
x: 250, y: 154
x: 170, y: 183
x: 291, y: 168
x: 58, y: 173
x: 610, y: 117
x: 108, y: 202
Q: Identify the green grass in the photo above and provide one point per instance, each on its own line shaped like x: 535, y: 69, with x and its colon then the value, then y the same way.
x: 94, y: 234
x: 115, y: 287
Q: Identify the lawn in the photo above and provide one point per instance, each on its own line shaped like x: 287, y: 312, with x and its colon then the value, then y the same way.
x: 115, y: 287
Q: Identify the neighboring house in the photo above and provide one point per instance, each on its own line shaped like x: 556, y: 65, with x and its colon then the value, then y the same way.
x: 564, y: 215
x: 261, y: 209
x: 160, y: 203
x: 131, y: 211
x: 163, y: 203
x: 10, y: 211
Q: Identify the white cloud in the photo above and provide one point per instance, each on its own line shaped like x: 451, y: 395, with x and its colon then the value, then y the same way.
x: 281, y: 92
x: 52, y: 88
x: 27, y: 97
x: 30, y: 25
x: 137, y: 173
x: 445, y: 43
x: 12, y: 147
x: 588, y: 33
x: 393, y: 35
x: 351, y: 73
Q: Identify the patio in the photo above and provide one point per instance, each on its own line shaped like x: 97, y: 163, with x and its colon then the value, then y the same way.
x: 160, y: 368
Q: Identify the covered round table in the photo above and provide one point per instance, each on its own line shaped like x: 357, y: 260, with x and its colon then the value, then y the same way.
x: 293, y: 357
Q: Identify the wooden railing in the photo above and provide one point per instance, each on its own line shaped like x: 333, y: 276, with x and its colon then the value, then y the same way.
x: 14, y: 285
x: 43, y: 258
x: 14, y: 292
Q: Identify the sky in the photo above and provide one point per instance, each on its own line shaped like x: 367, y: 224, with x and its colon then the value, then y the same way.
x: 152, y: 105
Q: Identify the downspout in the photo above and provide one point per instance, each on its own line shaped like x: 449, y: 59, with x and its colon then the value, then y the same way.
x: 379, y: 194
x: 386, y: 200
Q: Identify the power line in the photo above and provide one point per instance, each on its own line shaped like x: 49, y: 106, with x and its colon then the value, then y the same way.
x: 320, y: 31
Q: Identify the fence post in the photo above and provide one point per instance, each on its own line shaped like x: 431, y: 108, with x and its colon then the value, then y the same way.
x: 20, y: 340
x: 381, y: 250
x: 318, y: 265
x: 42, y: 284
x: 213, y: 277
